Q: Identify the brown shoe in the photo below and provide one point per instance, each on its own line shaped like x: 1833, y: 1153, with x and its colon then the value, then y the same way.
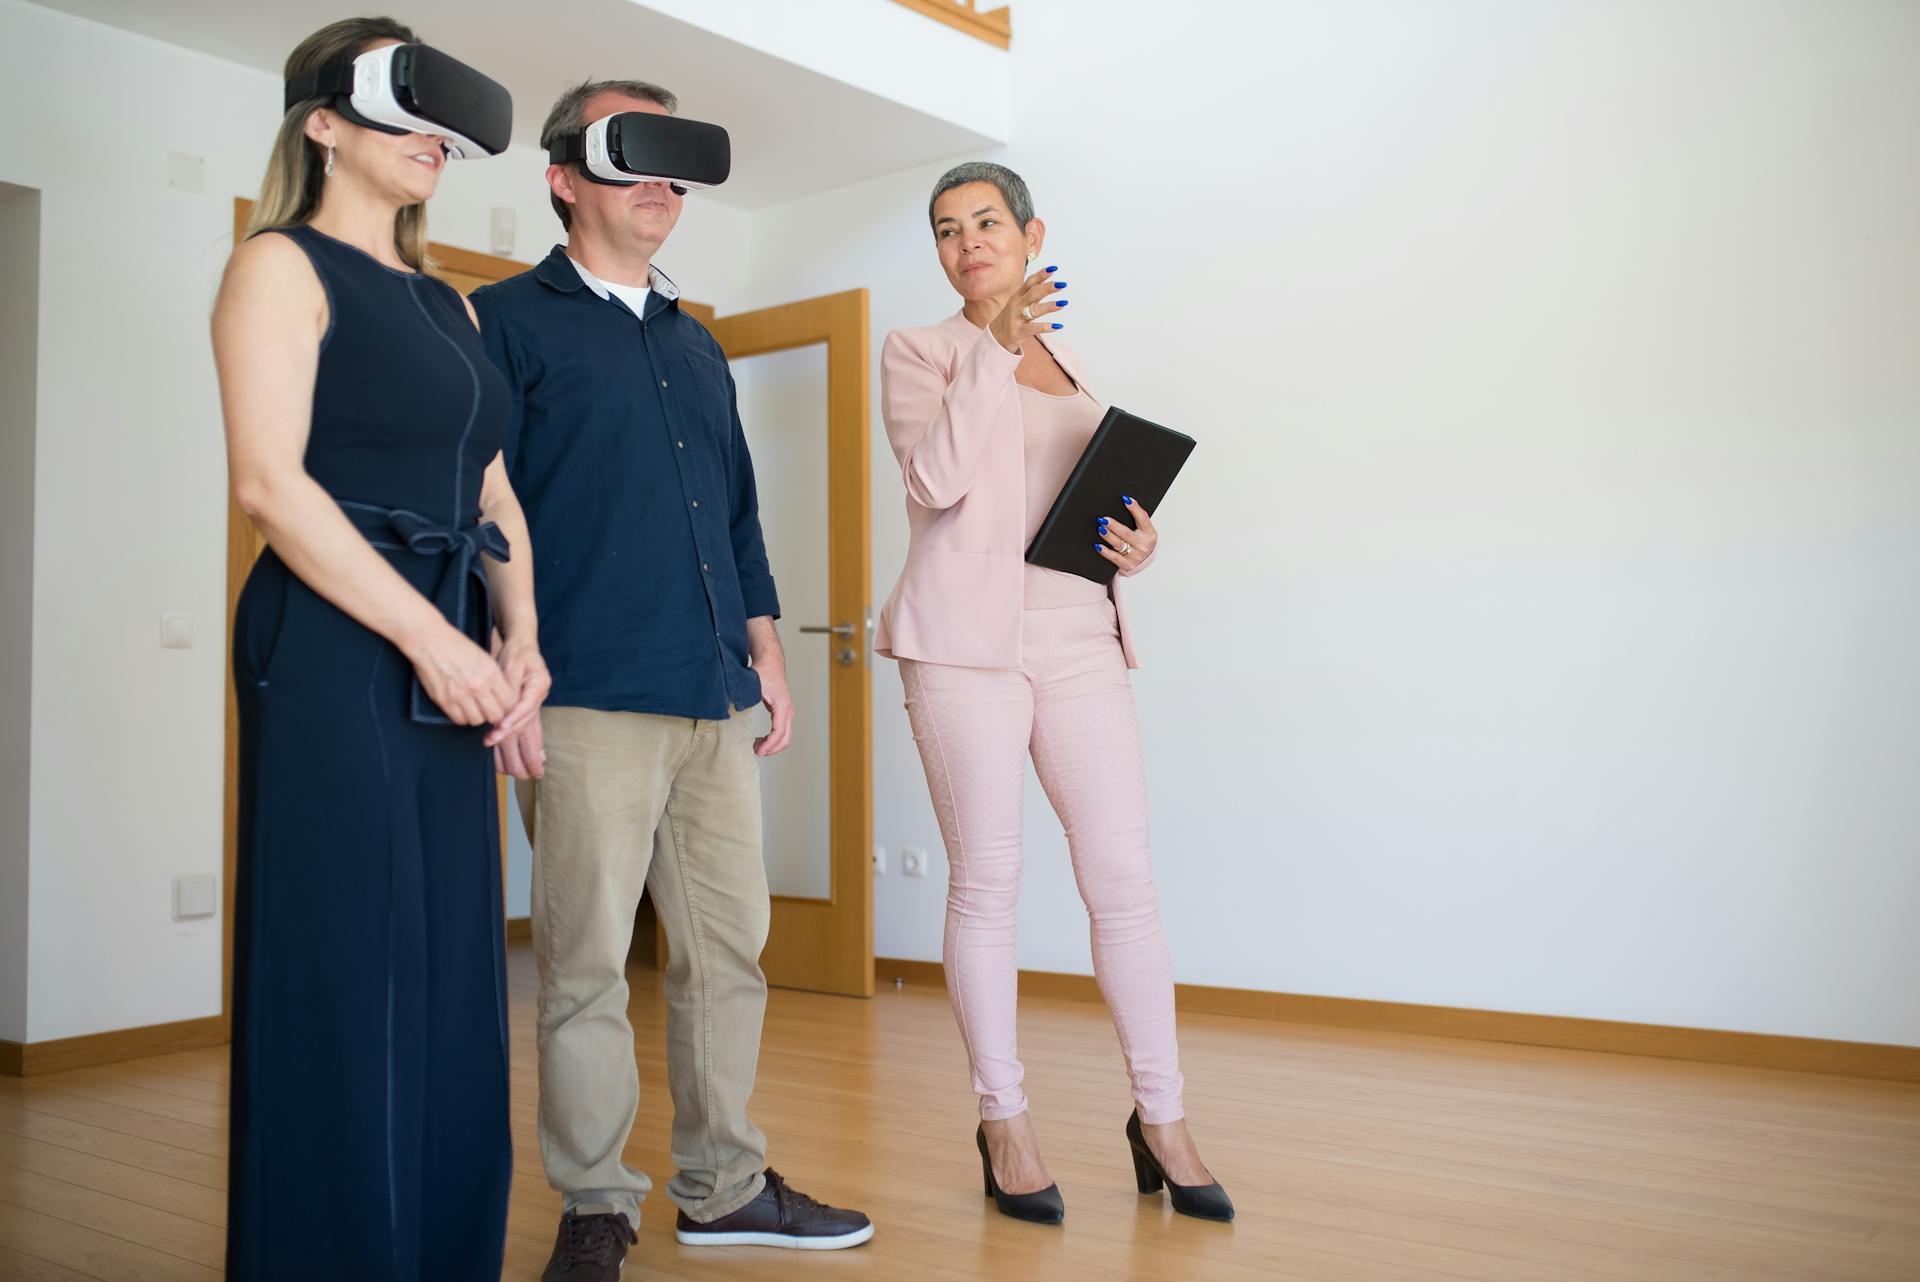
x: 590, y: 1248
x: 780, y: 1216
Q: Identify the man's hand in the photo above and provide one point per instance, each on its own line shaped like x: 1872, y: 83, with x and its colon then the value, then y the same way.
x: 770, y: 662
x: 526, y: 672
x: 522, y: 754
x: 773, y: 693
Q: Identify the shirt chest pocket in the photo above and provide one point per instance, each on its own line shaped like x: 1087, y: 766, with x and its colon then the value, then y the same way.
x: 707, y: 399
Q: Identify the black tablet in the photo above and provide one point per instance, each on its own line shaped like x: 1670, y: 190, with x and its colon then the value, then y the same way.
x: 1128, y: 456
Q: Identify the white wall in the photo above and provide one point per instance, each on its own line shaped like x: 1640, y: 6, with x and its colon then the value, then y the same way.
x: 130, y: 511
x: 1536, y: 620
x: 19, y: 324
x: 876, y: 45
x: 1536, y: 623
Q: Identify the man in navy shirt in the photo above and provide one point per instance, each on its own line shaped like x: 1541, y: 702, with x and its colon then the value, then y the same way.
x: 657, y: 610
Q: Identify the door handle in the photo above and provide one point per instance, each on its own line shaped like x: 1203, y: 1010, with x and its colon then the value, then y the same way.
x: 845, y: 656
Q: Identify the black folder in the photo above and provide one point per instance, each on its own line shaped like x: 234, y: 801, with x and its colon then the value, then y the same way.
x: 1127, y: 456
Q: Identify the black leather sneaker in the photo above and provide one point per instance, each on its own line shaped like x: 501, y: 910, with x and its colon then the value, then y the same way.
x: 780, y: 1216
x: 590, y: 1248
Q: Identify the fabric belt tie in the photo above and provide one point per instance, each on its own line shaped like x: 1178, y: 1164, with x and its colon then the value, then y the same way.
x: 463, y: 577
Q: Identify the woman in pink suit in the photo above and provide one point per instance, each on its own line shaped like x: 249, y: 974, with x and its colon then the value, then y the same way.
x: 988, y: 412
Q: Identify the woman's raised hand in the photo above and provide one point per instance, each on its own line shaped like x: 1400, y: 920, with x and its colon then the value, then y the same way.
x: 1030, y: 310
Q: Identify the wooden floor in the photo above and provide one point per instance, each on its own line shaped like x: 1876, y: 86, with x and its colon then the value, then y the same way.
x: 1353, y: 1157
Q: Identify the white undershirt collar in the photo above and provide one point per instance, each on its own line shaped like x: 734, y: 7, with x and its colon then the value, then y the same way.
x: 657, y: 281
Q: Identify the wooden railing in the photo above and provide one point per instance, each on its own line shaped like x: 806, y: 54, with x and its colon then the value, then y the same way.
x: 995, y: 27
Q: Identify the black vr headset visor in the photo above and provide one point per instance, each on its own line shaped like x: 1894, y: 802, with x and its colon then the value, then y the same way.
x: 647, y: 147
x: 402, y: 89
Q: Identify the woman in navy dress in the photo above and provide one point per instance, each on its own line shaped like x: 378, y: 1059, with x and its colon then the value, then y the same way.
x: 364, y: 425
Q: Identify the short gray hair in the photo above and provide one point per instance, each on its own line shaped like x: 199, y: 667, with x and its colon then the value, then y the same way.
x: 1013, y: 188
x: 569, y: 116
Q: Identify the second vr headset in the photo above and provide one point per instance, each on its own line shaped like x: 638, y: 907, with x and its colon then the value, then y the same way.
x: 402, y: 89
x: 647, y: 147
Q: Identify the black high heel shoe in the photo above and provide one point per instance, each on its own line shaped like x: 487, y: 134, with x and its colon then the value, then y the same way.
x: 1044, y: 1207
x: 1202, y: 1201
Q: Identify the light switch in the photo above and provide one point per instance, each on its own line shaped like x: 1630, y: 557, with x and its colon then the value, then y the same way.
x: 176, y: 631
x: 186, y: 172
x: 502, y: 231
x: 195, y: 897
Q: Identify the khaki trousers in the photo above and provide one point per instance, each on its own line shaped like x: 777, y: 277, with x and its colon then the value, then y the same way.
x: 672, y: 805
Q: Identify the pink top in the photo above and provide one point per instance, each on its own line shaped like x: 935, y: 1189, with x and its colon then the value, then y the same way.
x: 1057, y: 431
x: 956, y: 421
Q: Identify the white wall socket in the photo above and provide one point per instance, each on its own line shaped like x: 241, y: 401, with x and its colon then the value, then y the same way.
x: 913, y: 862
x: 195, y: 897
x: 879, y: 861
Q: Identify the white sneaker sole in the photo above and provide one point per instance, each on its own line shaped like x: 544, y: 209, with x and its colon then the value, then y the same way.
x: 787, y: 1240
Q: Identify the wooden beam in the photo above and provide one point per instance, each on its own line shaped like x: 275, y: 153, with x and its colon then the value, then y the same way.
x: 995, y: 27
x: 471, y: 262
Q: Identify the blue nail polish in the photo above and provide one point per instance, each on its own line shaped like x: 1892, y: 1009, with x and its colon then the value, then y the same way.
x: 1057, y: 325
x: 1059, y: 284
x: 1060, y: 302
x: 1053, y: 269
x: 1127, y: 500
x: 1103, y: 522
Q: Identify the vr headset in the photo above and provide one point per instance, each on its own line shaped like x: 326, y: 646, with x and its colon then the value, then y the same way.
x: 647, y: 147
x: 415, y: 89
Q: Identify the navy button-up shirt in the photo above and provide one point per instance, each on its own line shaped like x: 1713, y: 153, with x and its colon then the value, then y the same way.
x: 627, y: 455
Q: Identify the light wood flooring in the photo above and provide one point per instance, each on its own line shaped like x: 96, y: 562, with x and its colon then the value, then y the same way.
x: 1353, y: 1157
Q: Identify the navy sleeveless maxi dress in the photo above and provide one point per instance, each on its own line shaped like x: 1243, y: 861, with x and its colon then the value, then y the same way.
x: 369, y: 1135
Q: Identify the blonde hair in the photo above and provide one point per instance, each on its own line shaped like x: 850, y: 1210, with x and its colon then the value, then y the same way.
x: 296, y: 171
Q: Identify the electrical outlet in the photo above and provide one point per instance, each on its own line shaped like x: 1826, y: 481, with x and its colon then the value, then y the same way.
x: 879, y: 861
x: 913, y: 862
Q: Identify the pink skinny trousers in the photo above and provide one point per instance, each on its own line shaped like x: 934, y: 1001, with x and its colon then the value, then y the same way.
x: 1071, y: 706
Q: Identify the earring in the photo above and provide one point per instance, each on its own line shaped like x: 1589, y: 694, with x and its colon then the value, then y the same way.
x: 329, y: 162
x: 1032, y: 259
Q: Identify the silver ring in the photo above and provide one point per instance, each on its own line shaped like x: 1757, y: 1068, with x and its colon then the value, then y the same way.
x: 1027, y: 312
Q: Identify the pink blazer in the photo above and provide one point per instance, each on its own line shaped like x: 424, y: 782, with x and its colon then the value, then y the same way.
x: 953, y: 415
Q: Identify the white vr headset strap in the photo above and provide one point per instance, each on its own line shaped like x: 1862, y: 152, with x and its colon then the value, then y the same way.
x: 373, y: 98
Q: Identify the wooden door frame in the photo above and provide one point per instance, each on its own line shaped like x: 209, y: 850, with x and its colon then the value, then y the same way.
x: 808, y: 937
x: 243, y: 546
